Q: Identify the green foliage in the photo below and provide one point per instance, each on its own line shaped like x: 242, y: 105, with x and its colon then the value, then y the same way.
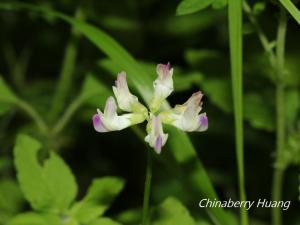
x: 104, y: 221
x: 35, y: 219
x: 192, y: 6
x: 11, y: 199
x: 47, y: 191
x: 172, y: 212
x: 100, y: 195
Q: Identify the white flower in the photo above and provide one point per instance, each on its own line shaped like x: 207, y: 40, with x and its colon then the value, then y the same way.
x: 186, y: 117
x: 126, y: 101
x: 163, y: 85
x: 156, y: 137
x: 111, y: 121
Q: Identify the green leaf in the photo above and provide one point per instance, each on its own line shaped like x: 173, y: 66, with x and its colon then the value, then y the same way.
x: 35, y: 219
x: 192, y: 6
x: 172, y: 212
x: 53, y: 187
x: 104, y: 221
x: 99, y: 197
x: 235, y: 17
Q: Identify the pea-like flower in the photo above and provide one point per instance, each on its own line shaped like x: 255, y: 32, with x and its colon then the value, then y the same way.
x: 186, y: 117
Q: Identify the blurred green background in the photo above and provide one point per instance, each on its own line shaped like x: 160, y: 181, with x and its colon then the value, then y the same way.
x: 33, y: 47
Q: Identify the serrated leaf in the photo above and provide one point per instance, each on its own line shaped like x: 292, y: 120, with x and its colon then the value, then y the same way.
x: 192, y: 6
x: 60, y: 181
x: 50, y: 188
x: 99, y: 197
x: 172, y: 212
x: 104, y: 221
x: 35, y: 219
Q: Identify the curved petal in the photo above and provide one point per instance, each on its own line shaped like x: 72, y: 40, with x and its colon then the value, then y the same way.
x: 126, y: 101
x: 156, y: 137
x: 163, y: 85
x: 111, y: 121
x: 186, y: 117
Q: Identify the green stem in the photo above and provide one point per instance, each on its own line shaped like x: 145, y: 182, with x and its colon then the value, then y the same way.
x: 67, y: 116
x: 292, y: 9
x: 65, y: 78
x: 266, y: 44
x: 33, y: 114
x: 235, y: 15
x: 147, y: 191
x: 280, y: 118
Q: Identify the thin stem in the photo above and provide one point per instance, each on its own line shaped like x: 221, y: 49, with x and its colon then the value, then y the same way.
x: 266, y: 44
x: 280, y: 117
x: 68, y: 65
x: 33, y: 114
x: 67, y: 115
x: 147, y: 191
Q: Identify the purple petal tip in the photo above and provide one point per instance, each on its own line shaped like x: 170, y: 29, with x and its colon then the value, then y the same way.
x: 98, y: 124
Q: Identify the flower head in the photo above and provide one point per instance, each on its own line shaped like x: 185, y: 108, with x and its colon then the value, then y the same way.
x: 186, y: 117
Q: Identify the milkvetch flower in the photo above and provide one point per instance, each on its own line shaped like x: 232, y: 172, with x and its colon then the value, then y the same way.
x: 186, y: 117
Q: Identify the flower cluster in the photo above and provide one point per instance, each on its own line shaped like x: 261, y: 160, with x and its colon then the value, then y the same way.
x: 186, y: 117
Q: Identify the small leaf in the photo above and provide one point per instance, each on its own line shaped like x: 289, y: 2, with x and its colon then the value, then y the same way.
x: 104, y: 221
x: 259, y: 7
x: 192, y: 6
x: 61, y: 181
x: 99, y: 197
x: 172, y: 212
x: 50, y: 188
